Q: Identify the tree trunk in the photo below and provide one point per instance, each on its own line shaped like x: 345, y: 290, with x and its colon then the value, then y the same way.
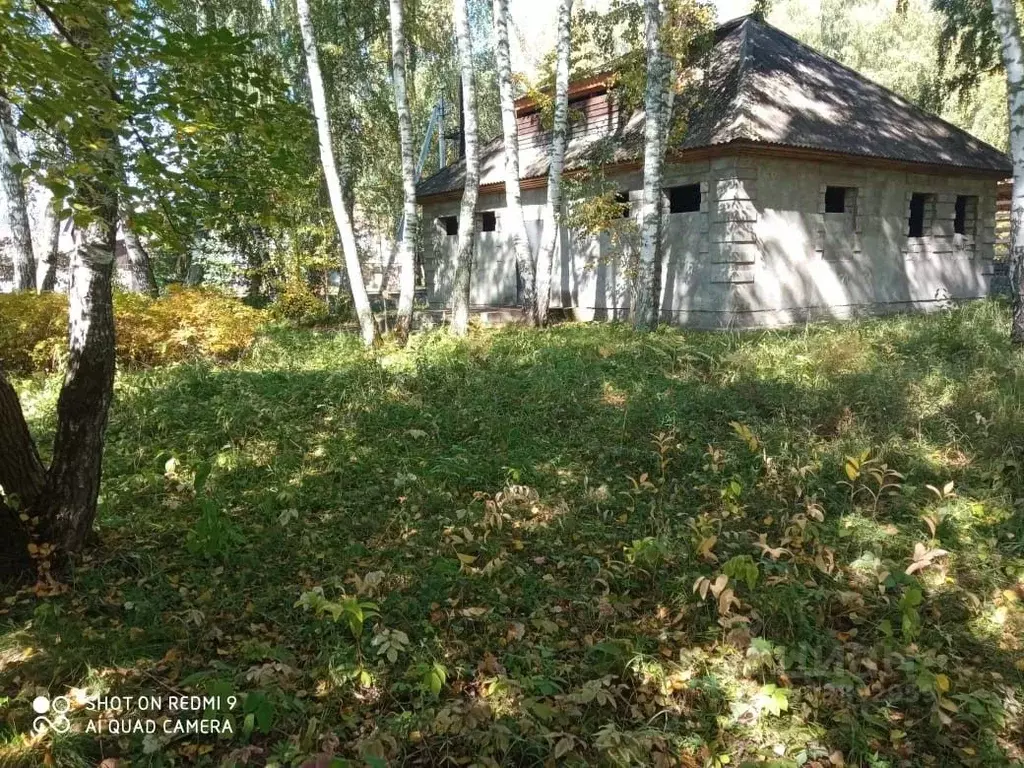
x: 342, y: 218
x: 49, y: 248
x: 16, y: 210
x: 21, y: 475
x: 1013, y: 59
x: 68, y: 503
x: 559, y: 142
x: 646, y: 295
x: 65, y: 497
x: 21, y: 471
x: 467, y: 214
x: 407, y: 248
x: 140, y: 268
x: 513, y: 218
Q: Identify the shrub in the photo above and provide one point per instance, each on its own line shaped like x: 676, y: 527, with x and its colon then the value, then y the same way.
x: 33, y: 330
x: 187, y: 323
x: 299, y: 305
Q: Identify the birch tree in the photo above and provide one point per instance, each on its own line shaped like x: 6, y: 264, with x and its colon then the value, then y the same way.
x: 54, y: 507
x: 559, y: 142
x: 467, y: 213
x: 336, y: 193
x: 513, y: 215
x: 1006, y: 23
x: 407, y: 248
x: 657, y: 107
x: 140, y: 268
x: 47, y: 246
x: 14, y: 203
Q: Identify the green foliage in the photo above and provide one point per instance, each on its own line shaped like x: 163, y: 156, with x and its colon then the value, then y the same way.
x: 299, y: 305
x: 478, y: 600
x: 743, y: 569
x: 33, y: 331
x: 352, y: 611
x: 185, y: 324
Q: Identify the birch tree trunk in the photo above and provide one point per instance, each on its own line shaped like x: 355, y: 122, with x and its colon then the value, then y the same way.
x: 1013, y: 59
x: 644, y: 307
x: 407, y: 248
x: 342, y: 218
x: 68, y: 503
x: 49, y: 242
x: 14, y: 203
x: 559, y: 142
x: 467, y: 214
x: 513, y: 217
x: 140, y: 268
x: 63, y: 500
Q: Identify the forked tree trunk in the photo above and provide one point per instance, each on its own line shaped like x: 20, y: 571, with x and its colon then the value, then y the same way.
x: 140, y: 268
x: 15, y: 208
x: 467, y: 213
x: 342, y: 218
x: 63, y: 499
x: 49, y: 245
x: 513, y: 218
x: 646, y: 295
x: 68, y: 502
x: 1013, y: 59
x: 407, y: 248
x: 559, y: 141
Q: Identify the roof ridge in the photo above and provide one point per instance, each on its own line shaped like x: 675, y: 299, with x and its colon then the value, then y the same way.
x: 741, y: 101
x: 905, y: 102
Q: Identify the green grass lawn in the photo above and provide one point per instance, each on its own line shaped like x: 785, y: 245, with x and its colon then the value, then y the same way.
x: 576, y: 546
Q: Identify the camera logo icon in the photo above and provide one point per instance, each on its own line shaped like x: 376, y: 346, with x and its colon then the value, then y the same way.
x: 52, y: 714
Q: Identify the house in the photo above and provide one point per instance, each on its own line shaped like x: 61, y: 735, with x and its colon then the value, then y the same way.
x: 799, y: 190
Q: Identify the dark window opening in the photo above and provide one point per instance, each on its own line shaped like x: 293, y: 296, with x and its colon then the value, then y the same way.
x: 835, y: 199
x: 450, y: 224
x: 960, y: 215
x: 488, y: 221
x: 622, y: 199
x: 684, y: 199
x: 917, y: 203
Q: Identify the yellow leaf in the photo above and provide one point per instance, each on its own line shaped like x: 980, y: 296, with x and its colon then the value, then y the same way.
x: 941, y: 683
x: 466, y: 559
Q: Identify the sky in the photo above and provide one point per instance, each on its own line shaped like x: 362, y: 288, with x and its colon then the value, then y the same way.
x: 533, y: 26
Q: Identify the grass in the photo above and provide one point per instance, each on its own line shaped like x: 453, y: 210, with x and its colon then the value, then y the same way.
x: 574, y: 546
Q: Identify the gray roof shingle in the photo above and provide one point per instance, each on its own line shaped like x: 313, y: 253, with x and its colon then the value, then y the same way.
x: 763, y: 87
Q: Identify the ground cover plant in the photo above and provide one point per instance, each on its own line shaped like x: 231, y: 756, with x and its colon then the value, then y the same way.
x: 579, y: 546
x: 183, y: 324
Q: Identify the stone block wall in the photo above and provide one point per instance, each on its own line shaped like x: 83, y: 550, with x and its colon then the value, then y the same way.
x: 762, y: 249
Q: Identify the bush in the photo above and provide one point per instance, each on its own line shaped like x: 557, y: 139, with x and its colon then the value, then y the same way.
x: 297, y: 304
x: 187, y: 323
x: 33, y: 331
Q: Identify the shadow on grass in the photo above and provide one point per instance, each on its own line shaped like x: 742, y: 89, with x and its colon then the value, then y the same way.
x: 563, y: 607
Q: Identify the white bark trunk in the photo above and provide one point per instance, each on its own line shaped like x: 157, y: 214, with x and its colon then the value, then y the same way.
x: 48, y: 241
x: 407, y: 248
x: 140, y: 269
x: 342, y: 219
x: 516, y: 235
x: 559, y: 141
x: 467, y: 214
x: 14, y: 203
x: 645, y: 309
x: 1013, y: 59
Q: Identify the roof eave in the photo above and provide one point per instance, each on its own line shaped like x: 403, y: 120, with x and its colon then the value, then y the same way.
x: 748, y: 147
